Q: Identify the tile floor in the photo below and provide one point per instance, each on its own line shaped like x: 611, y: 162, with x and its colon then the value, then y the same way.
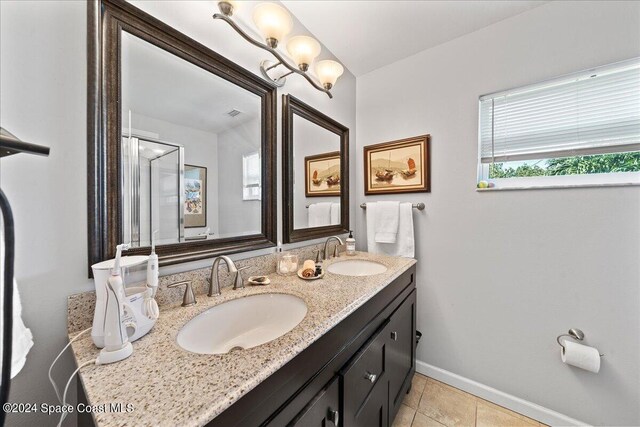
x: 431, y: 403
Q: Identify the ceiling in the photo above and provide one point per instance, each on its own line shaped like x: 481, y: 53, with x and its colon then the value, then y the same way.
x: 162, y: 86
x: 365, y: 35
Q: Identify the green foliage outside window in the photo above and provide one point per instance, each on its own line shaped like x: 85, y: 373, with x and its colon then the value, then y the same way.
x: 577, y: 165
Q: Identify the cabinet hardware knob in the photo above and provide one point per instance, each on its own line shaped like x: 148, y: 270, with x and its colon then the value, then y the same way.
x: 371, y: 377
x: 334, y: 417
x: 394, y: 336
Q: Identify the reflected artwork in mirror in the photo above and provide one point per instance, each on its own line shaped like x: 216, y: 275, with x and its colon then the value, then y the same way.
x: 315, y: 171
x: 188, y: 139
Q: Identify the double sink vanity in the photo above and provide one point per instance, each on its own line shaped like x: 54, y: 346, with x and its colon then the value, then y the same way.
x: 182, y: 157
x: 336, y: 351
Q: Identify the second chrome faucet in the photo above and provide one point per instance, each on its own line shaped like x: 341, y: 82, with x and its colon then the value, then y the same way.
x: 336, y: 249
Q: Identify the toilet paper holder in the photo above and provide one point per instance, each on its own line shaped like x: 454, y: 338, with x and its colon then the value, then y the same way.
x: 574, y: 333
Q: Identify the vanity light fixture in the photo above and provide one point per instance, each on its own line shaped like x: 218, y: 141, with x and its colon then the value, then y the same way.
x: 328, y: 72
x: 274, y: 23
x: 227, y: 7
x: 303, y: 50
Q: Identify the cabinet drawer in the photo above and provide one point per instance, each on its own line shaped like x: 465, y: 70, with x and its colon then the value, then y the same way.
x: 363, y: 372
x: 322, y: 411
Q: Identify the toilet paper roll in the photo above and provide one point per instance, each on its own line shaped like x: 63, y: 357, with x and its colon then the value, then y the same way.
x: 581, y: 356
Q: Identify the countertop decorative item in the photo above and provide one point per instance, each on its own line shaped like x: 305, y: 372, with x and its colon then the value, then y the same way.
x: 313, y: 277
x: 401, y: 166
x: 308, y: 269
x: 259, y: 280
x: 287, y: 263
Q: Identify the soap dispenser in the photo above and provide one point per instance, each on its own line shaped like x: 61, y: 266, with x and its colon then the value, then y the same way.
x: 351, y: 244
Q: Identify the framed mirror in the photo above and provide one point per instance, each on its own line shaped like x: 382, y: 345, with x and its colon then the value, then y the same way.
x: 315, y: 162
x: 181, y: 143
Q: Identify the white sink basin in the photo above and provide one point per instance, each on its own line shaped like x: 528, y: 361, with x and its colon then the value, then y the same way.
x: 242, y: 323
x: 357, y: 267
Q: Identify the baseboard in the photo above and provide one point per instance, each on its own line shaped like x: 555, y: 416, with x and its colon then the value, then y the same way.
x: 521, y: 406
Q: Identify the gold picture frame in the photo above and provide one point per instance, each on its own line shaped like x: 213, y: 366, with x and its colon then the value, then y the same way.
x: 401, y: 166
x: 322, y: 175
x: 195, y: 196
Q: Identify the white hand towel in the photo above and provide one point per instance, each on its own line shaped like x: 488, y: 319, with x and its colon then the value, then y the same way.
x: 405, y: 242
x: 335, y: 213
x: 387, y: 218
x: 319, y: 214
x: 22, y: 339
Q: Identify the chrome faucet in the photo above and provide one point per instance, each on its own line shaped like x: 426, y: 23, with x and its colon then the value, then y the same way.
x: 335, y: 250
x: 214, y: 280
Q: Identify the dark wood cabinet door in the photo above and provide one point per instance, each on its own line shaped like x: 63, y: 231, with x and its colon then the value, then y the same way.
x: 322, y: 410
x: 401, y: 335
x: 364, y: 383
x: 373, y: 413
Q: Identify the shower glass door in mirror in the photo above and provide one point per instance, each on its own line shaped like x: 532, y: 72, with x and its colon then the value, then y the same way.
x: 190, y: 153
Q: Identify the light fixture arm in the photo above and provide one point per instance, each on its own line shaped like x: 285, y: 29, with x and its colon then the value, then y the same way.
x: 272, y: 51
x: 285, y: 75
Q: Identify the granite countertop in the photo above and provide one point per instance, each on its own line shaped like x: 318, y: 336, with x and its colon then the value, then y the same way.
x: 167, y: 385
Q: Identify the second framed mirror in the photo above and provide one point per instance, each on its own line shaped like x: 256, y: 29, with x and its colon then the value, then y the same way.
x: 315, y: 154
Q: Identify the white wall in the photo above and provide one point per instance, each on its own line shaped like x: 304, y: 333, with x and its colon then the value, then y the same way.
x: 237, y: 216
x: 43, y: 99
x: 501, y: 274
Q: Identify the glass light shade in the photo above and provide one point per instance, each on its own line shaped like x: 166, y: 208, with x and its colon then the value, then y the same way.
x: 303, y: 50
x: 328, y: 72
x: 273, y: 21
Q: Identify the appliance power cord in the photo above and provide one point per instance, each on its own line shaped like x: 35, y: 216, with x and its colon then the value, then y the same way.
x: 7, y: 295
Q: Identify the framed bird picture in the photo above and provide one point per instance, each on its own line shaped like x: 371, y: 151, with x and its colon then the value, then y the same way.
x: 401, y: 166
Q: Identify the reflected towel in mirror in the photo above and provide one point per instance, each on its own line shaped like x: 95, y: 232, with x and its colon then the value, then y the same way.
x: 335, y: 213
x: 319, y: 214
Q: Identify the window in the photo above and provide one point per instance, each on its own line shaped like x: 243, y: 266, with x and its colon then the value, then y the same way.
x: 251, y: 177
x: 580, y: 129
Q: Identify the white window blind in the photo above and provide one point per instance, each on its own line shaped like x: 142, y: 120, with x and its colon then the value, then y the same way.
x: 251, y: 177
x: 593, y: 112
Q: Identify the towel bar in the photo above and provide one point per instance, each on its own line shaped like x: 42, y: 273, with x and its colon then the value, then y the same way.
x: 420, y: 206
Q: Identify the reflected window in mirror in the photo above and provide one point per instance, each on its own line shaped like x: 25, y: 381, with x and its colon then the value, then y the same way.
x: 315, y: 151
x: 190, y: 150
x: 251, y: 180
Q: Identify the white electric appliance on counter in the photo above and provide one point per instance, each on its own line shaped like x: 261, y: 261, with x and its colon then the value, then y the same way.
x: 139, y: 308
